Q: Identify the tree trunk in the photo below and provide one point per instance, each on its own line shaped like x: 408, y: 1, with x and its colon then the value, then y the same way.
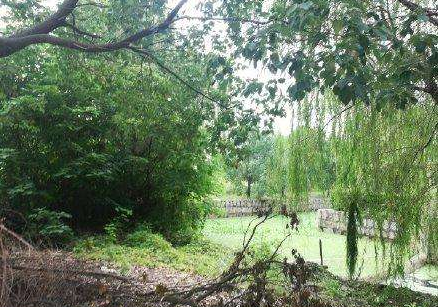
x: 248, y: 188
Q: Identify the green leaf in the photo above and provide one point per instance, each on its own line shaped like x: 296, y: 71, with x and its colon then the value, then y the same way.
x: 419, y: 43
x: 423, y: 17
x: 344, y: 92
x: 405, y: 75
x: 338, y: 25
x: 306, y: 5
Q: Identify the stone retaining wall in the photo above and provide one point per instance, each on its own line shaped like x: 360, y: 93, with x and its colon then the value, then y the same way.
x: 316, y: 202
x: 336, y: 222
x: 245, y: 207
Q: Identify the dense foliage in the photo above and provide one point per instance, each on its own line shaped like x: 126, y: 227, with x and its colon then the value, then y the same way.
x: 382, y: 52
x: 103, y: 142
x: 386, y: 167
x: 103, y: 147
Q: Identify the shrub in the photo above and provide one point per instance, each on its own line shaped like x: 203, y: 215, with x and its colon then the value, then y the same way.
x: 103, y: 145
x: 143, y: 237
x: 46, y: 225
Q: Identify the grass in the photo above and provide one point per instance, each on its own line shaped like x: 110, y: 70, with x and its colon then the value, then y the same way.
x: 211, y: 254
x: 229, y: 232
x: 143, y: 248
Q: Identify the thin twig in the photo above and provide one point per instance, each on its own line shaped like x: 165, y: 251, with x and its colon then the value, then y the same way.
x: 79, y: 272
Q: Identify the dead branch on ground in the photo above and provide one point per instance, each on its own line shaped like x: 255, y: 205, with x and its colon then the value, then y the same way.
x: 34, y: 278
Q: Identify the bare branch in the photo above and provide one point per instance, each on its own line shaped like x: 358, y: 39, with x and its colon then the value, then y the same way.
x: 226, y: 19
x: 345, y: 109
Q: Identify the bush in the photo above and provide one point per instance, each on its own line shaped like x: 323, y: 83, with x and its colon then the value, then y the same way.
x: 145, y: 248
x: 144, y: 238
x: 261, y: 251
x: 48, y: 226
x: 95, y: 145
x: 119, y: 225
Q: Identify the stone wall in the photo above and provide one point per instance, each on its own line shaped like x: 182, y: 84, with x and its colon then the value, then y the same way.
x: 245, y: 207
x: 316, y: 202
x: 336, y: 222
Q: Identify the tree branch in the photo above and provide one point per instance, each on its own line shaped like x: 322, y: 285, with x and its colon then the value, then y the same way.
x: 40, y: 34
x: 76, y: 30
x: 171, y: 72
x: 415, y: 7
x: 51, y: 23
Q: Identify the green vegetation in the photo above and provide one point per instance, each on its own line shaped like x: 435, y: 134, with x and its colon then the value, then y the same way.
x: 101, y: 151
x: 118, y: 114
x: 206, y: 258
x: 224, y: 236
x: 374, y: 163
x: 247, y: 171
x: 230, y: 231
x: 145, y: 248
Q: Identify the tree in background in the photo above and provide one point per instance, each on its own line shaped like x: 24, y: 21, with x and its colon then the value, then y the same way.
x: 249, y: 166
x: 277, y: 169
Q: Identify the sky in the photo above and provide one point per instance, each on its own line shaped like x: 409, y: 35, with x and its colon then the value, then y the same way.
x: 281, y: 125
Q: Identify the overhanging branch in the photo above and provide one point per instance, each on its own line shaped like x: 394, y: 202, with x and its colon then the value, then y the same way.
x: 147, y: 54
x: 51, y: 23
x: 415, y: 7
x: 40, y: 34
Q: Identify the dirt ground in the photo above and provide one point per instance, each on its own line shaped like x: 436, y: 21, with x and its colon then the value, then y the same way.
x: 55, y: 278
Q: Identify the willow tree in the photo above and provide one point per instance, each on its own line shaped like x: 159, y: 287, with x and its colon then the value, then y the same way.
x: 277, y: 169
x: 378, y: 58
x: 385, y: 172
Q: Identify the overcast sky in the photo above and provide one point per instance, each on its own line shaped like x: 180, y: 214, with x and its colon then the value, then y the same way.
x: 281, y: 125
